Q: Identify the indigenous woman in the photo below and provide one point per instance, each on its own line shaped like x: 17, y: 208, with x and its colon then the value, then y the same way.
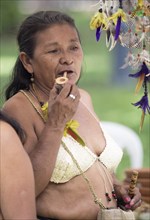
x: 72, y: 156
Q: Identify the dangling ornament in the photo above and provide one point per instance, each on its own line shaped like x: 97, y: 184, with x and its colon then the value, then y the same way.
x: 117, y: 18
x: 144, y: 77
x: 128, y: 23
x: 99, y: 22
x: 144, y: 105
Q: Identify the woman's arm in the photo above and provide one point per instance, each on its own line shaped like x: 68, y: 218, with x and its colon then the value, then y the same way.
x: 17, y: 181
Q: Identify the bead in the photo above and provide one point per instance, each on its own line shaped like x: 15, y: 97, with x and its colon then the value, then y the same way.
x: 114, y: 195
x: 41, y: 104
x: 32, y: 79
x: 108, y: 197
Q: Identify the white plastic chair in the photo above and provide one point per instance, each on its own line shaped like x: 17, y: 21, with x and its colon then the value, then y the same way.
x: 127, y: 139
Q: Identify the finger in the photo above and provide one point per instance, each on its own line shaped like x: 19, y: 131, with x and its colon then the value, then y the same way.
x: 72, y: 96
x: 53, y: 93
x: 123, y: 194
x: 74, y: 93
x: 126, y: 199
x: 74, y: 89
x: 136, y: 198
x: 136, y: 205
x: 65, y: 91
x: 58, y: 88
x: 136, y: 195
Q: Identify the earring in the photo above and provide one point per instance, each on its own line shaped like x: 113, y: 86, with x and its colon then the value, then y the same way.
x: 32, y: 79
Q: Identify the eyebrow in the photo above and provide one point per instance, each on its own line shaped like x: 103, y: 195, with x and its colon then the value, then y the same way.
x: 75, y: 40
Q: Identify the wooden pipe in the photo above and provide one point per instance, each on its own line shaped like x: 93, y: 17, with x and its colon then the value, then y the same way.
x: 62, y: 79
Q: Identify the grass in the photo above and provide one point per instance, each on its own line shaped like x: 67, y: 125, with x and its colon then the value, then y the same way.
x: 112, y: 101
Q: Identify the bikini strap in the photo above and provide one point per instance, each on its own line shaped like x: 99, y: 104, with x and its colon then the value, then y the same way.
x: 89, y: 111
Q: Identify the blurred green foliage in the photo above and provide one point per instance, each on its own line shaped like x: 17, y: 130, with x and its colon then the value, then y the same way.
x: 10, y: 16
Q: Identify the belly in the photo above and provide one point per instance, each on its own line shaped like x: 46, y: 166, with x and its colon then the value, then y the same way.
x: 74, y: 200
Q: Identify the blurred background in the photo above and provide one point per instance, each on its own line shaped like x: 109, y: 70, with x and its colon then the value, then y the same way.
x: 111, y: 89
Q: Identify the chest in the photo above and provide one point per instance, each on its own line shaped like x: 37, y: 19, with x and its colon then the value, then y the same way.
x: 90, y: 130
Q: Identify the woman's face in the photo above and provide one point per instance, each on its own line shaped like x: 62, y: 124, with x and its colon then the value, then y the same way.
x: 57, y: 50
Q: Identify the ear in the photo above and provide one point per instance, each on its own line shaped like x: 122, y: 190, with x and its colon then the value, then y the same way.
x: 26, y: 61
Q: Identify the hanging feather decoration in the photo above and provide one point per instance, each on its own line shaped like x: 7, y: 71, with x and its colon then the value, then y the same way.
x: 128, y: 23
x: 99, y: 22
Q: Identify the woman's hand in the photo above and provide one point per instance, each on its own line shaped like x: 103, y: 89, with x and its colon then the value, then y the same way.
x: 62, y: 106
x: 126, y: 201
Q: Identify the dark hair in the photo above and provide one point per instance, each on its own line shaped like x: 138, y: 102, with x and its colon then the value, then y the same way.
x: 14, y: 124
x: 26, y: 39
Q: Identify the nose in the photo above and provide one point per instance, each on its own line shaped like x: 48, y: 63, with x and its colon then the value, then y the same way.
x: 66, y: 60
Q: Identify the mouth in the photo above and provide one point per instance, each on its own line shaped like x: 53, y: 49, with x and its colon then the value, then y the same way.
x: 68, y: 72
x: 63, y: 76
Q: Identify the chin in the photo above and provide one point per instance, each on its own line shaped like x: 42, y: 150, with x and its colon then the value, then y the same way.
x: 72, y: 82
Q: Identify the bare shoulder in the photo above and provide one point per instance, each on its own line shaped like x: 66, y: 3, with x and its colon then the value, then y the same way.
x: 10, y: 141
x: 6, y: 130
x: 16, y: 105
x: 11, y: 147
x: 85, y: 97
x: 87, y: 101
x: 20, y: 109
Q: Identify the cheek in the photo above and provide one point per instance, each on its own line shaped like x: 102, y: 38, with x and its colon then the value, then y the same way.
x: 80, y: 57
x: 45, y: 72
x: 48, y: 80
x: 79, y: 60
x: 48, y: 74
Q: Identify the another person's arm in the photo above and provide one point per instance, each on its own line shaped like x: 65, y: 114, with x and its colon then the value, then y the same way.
x: 17, y: 180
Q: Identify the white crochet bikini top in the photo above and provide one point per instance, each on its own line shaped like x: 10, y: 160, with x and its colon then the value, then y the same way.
x: 65, y: 169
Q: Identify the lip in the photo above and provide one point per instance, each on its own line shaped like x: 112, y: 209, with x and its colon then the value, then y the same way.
x: 61, y: 72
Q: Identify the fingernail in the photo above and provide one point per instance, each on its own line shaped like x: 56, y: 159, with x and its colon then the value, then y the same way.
x: 127, y: 199
x: 131, y: 203
x: 127, y: 206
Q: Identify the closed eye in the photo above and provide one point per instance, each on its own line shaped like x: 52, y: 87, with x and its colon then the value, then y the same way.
x: 53, y: 51
x: 74, y: 48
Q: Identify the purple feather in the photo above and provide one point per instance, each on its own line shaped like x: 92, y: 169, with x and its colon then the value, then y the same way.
x: 98, y: 33
x: 143, y: 104
x: 117, y: 32
x: 144, y: 69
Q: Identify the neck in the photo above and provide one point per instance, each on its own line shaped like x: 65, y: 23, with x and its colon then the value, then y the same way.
x: 40, y: 93
x: 42, y: 89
